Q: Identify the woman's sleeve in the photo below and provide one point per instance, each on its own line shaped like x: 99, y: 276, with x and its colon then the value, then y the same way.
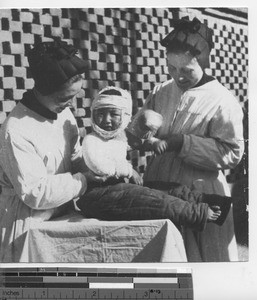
x: 224, y: 146
x: 77, y: 161
x: 28, y: 175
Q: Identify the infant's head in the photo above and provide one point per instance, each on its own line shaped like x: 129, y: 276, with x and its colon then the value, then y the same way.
x: 145, y: 124
x: 111, y: 111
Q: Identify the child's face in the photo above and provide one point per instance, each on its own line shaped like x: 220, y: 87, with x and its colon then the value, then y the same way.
x: 108, y: 119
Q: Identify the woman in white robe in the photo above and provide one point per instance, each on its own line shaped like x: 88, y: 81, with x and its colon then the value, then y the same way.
x: 201, y: 134
x: 40, y: 154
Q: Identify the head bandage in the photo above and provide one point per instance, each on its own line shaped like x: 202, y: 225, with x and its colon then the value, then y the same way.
x: 122, y: 102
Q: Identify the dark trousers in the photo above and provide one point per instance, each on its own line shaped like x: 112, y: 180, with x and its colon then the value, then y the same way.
x: 125, y: 201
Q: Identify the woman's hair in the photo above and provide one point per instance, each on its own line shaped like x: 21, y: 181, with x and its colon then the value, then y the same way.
x: 178, y: 47
x: 111, y: 92
x: 72, y: 80
x: 69, y: 82
x: 66, y: 84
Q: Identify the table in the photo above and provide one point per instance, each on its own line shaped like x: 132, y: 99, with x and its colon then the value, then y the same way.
x: 74, y: 239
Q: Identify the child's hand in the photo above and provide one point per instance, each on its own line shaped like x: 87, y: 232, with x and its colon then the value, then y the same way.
x: 160, y: 146
x: 136, y: 178
x: 213, y: 213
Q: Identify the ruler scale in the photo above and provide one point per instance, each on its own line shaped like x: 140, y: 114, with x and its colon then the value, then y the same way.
x: 96, y: 283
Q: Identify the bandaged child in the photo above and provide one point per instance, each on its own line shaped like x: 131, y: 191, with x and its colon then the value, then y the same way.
x: 105, y: 151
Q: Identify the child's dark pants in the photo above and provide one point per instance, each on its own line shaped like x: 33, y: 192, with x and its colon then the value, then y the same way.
x: 124, y: 201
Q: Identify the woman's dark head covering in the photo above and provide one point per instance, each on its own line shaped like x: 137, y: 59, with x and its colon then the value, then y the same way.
x: 52, y: 64
x: 190, y: 35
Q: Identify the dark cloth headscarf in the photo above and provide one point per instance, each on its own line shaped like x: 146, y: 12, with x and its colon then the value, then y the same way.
x: 52, y: 64
x: 190, y: 35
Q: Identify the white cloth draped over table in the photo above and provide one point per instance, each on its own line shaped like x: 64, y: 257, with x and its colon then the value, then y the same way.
x: 210, y: 119
x: 74, y: 239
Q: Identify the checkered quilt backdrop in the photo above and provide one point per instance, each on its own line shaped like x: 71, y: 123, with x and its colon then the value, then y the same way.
x: 122, y: 48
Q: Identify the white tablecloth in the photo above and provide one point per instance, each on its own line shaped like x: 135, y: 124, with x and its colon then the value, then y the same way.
x: 75, y: 239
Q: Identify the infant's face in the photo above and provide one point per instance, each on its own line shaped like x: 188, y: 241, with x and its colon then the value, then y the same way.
x: 108, y: 119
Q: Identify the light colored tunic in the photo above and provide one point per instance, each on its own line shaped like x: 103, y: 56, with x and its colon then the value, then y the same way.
x: 210, y: 119
x: 107, y: 157
x: 38, y: 162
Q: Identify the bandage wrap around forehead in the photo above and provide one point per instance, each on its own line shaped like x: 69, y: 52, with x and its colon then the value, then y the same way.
x: 122, y: 102
x: 192, y: 34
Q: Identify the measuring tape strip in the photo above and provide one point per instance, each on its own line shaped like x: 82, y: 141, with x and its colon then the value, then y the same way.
x: 105, y: 284
x: 119, y: 294
x: 87, y: 282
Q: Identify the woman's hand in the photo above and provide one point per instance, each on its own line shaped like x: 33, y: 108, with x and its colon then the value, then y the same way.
x: 136, y: 178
